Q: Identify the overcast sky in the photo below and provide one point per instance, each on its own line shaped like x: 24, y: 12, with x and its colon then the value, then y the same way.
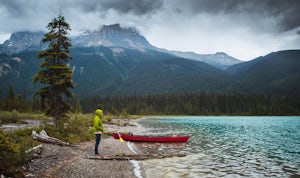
x: 244, y: 29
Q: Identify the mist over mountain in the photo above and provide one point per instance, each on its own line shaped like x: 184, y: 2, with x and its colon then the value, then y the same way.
x: 114, y: 60
x: 112, y: 36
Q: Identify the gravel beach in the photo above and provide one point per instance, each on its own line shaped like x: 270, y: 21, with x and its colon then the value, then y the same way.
x: 63, y: 161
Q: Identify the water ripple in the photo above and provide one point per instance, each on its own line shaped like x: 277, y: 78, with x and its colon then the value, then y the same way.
x: 227, y: 147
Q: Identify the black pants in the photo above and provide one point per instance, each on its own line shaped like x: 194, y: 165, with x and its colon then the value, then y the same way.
x: 98, y: 139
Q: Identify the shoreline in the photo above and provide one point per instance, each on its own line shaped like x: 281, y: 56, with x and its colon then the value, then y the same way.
x: 64, y: 161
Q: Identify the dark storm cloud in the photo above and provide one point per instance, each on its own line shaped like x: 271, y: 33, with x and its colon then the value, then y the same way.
x: 263, y: 25
x: 137, y: 7
x: 286, y: 13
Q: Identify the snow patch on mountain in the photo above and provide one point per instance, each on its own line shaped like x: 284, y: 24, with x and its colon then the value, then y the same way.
x: 17, y: 59
x: 4, y: 69
x: 81, y: 70
x: 117, y: 50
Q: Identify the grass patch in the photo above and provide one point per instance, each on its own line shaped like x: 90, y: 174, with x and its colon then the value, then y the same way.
x: 16, y: 117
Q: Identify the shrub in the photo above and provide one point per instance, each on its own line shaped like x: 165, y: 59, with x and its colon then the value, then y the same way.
x: 124, y: 114
x: 108, y: 118
x: 9, y: 152
x: 5, y: 117
x: 75, y: 129
x: 14, y: 116
x: 12, y: 155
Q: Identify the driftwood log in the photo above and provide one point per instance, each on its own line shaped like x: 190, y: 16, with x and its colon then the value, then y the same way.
x: 35, y: 149
x: 135, y: 156
x: 43, y: 137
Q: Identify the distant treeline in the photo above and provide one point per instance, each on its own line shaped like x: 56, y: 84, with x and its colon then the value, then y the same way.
x: 18, y: 101
x: 196, y: 104
x: 169, y: 104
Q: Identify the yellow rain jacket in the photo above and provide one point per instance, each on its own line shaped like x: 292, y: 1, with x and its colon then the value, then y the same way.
x: 98, y: 121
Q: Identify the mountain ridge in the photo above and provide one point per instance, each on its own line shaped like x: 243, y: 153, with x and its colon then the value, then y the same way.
x: 113, y: 36
x: 277, y: 72
x: 100, y: 71
x: 121, y: 69
x: 21, y: 41
x: 219, y: 59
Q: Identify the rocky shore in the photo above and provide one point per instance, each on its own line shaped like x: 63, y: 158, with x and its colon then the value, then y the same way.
x: 64, y: 161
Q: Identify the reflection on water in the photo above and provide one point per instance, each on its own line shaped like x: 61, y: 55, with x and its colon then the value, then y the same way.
x: 226, y: 147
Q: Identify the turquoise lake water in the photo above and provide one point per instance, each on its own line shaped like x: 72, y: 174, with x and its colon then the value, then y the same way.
x: 225, y: 147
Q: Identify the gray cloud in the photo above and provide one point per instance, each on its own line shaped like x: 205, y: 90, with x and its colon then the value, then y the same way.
x: 32, y: 14
x: 249, y: 27
x: 17, y: 8
x: 135, y: 7
x: 284, y: 12
x: 13, y: 8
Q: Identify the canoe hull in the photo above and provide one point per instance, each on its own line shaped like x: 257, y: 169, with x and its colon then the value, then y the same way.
x: 138, y: 138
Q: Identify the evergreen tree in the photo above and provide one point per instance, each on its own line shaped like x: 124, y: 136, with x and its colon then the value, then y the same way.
x: 11, y: 93
x: 55, y: 76
x: 1, y: 107
x: 23, y: 105
x: 11, y: 102
x: 78, y: 106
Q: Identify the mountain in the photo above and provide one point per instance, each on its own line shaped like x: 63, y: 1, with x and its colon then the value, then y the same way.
x: 275, y: 73
x: 17, y: 71
x: 6, y: 64
x: 119, y: 61
x: 102, y: 71
x: 244, y: 66
x: 112, y: 36
x: 220, y: 59
x: 20, y: 41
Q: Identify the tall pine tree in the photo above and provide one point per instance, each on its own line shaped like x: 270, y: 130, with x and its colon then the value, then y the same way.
x: 55, y: 76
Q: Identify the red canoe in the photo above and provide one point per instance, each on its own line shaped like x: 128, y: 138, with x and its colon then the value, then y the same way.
x: 139, y: 138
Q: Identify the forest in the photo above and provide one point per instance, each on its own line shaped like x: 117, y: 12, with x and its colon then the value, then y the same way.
x: 203, y: 103
x: 196, y: 104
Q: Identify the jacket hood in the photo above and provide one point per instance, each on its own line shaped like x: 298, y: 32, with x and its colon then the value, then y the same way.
x: 99, y: 112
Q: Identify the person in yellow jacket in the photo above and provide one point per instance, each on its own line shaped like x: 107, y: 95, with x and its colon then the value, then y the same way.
x: 98, y: 129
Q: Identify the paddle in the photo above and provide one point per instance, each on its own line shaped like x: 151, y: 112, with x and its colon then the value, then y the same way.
x: 120, y: 138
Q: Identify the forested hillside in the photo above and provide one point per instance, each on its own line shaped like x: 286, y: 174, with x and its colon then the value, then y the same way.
x: 276, y: 73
